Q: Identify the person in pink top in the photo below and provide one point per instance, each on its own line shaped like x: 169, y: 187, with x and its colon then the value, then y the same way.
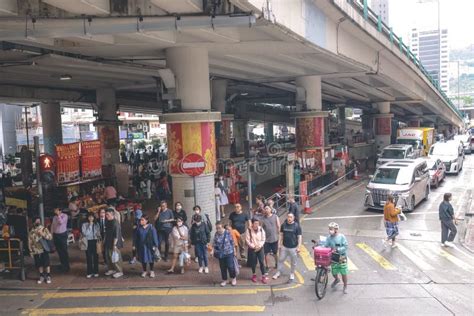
x: 59, y: 230
x: 110, y: 195
x: 255, y: 238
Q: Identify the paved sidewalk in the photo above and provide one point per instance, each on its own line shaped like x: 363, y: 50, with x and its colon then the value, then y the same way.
x: 76, y: 279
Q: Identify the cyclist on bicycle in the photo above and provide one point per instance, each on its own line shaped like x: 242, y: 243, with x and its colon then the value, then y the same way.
x: 338, y: 243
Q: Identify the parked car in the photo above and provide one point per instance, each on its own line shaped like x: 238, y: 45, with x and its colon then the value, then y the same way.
x: 450, y: 153
x: 437, y: 171
x: 396, y: 152
x: 466, y: 140
x: 407, y: 180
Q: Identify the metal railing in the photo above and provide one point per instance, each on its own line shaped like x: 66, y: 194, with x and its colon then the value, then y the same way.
x: 362, y: 7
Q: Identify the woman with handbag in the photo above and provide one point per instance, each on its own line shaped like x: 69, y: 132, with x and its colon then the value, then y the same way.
x: 40, y: 244
x: 90, y: 237
x: 145, y: 243
x: 390, y: 215
x: 223, y: 249
x: 179, y: 235
x: 338, y: 243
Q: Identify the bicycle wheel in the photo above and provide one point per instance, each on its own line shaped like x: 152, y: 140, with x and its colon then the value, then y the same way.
x: 321, y: 282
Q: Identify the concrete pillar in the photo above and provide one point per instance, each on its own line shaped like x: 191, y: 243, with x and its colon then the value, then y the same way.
x: 269, y: 137
x: 342, y: 121
x: 223, y: 128
x: 383, y: 125
x: 312, y: 86
x: 239, y: 129
x: 107, y: 126
x: 192, y: 131
x: 310, y: 135
x: 52, y: 126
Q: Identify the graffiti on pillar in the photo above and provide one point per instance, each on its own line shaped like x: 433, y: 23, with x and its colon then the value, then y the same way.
x: 309, y: 132
x: 67, y: 162
x: 191, y: 138
x: 109, y: 136
x: 383, y: 126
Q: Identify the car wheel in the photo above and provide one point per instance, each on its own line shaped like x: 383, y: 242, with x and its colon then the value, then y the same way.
x: 427, y: 192
x: 436, y: 183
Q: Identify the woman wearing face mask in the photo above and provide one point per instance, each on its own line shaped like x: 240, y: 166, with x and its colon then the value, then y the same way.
x: 223, y: 249
x: 179, y: 234
x: 40, y: 255
x: 200, y: 238
x: 221, y: 194
x: 90, y: 231
x: 145, y: 241
x: 338, y: 243
x: 179, y: 212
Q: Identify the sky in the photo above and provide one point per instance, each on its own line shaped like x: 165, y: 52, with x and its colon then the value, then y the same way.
x: 456, y: 15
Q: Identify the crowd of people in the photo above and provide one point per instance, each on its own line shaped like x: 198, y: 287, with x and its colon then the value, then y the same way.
x: 253, y: 239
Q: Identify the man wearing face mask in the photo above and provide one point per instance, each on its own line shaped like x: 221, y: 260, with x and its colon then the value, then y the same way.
x: 338, y: 243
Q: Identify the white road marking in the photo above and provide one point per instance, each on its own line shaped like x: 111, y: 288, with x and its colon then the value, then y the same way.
x: 422, y: 264
x: 364, y: 216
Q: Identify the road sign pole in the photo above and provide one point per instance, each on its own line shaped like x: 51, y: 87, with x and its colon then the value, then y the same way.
x: 38, y: 179
x: 249, y: 183
x: 194, y: 190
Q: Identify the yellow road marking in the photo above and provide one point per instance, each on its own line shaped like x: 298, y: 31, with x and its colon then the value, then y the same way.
x: 17, y: 294
x: 145, y: 309
x: 460, y: 263
x: 384, y: 263
x: 417, y: 260
x: 149, y: 292
x: 351, y: 266
x: 307, y: 259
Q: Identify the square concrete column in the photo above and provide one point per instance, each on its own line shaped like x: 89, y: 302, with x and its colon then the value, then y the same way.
x: 239, y: 131
x: 52, y: 126
x: 269, y: 137
x: 383, y: 125
x: 192, y: 131
x: 223, y: 128
x: 313, y: 92
x: 107, y: 126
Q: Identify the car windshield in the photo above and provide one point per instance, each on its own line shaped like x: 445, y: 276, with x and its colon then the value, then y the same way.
x: 391, y: 176
x: 431, y: 164
x: 393, y: 153
x: 443, y: 149
x: 412, y: 142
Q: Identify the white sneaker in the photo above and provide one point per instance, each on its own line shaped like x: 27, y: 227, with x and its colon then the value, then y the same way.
x: 443, y: 245
x: 223, y: 283
x: 110, y: 272
x: 118, y: 275
x: 292, y: 277
x: 384, y: 242
x: 206, y: 270
x: 96, y: 275
x: 201, y: 269
x: 449, y: 244
x: 89, y: 276
x: 143, y: 274
x: 276, y: 275
x: 234, y: 282
x: 394, y: 245
x: 48, y: 279
x: 152, y: 274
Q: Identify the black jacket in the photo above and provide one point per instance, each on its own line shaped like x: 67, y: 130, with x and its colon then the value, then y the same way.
x: 200, y: 234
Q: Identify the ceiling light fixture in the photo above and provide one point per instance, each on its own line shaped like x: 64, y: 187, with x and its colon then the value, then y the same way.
x: 65, y: 77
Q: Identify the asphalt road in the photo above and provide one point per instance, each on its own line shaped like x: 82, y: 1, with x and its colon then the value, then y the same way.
x: 418, y: 278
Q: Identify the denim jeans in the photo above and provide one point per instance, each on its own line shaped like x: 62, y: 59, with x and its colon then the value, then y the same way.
x: 201, y: 253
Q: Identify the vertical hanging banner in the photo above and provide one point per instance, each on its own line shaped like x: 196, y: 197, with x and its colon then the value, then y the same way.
x: 67, y: 162
x: 91, y: 158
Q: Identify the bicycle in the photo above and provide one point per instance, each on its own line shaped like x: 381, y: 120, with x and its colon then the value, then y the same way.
x: 322, y: 260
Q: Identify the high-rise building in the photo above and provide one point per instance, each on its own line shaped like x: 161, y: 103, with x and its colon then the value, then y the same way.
x: 381, y: 8
x: 432, y: 50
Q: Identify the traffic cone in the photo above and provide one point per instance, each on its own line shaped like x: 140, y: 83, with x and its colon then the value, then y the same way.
x: 356, y: 174
x: 307, y: 208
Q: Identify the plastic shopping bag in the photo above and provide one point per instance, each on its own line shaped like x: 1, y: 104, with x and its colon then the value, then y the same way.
x: 115, y: 256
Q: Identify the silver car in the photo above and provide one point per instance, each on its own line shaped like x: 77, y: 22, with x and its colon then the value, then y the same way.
x: 407, y: 180
x: 395, y: 152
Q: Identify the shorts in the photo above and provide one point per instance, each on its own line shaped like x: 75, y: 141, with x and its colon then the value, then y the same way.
x: 41, y: 260
x: 339, y: 268
x: 270, y: 247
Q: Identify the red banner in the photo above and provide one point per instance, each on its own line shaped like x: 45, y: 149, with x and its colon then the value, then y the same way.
x: 67, y: 162
x: 91, y: 158
x: 383, y: 126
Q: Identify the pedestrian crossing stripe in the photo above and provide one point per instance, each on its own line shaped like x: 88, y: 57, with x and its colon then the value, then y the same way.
x: 351, y: 265
x: 384, y: 263
x: 417, y: 260
x: 456, y: 261
x: 145, y: 309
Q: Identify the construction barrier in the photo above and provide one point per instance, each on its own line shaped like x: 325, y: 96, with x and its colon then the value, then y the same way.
x: 12, y: 256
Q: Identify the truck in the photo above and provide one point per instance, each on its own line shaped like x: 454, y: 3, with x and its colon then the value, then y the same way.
x: 421, y: 138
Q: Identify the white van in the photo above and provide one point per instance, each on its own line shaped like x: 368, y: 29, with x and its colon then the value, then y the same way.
x: 450, y: 153
x: 395, y: 152
x: 407, y: 180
